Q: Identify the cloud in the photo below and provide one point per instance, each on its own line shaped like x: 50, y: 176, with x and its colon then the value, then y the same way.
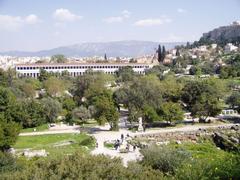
x: 64, y: 15
x: 117, y: 19
x: 180, y: 10
x: 13, y: 23
x: 32, y: 19
x: 153, y: 21
x: 113, y: 19
x: 126, y: 14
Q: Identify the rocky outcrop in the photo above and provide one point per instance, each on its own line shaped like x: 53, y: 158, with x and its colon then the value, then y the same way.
x: 223, y: 35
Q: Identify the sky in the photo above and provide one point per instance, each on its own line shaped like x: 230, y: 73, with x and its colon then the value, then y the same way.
x: 29, y: 25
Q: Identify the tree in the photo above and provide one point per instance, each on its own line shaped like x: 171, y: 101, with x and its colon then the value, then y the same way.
x: 105, y: 109
x: 150, y: 114
x: 234, y: 101
x: 159, y: 53
x: 44, y: 75
x: 171, y: 112
x: 125, y: 74
x: 68, y: 104
x: 3, y: 78
x: 52, y: 108
x: 141, y: 93
x: 58, y: 58
x: 54, y: 86
x: 9, y: 131
x: 171, y: 88
x: 33, y: 113
x: 202, y: 98
x: 7, y: 99
x: 83, y: 83
x: 28, y: 90
x: 178, y: 52
x: 163, y: 55
x: 105, y: 57
x: 81, y: 113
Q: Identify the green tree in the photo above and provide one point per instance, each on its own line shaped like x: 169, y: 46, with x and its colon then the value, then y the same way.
x: 150, y: 114
x: 28, y: 89
x: 44, y: 75
x: 159, y: 54
x: 58, y: 58
x: 105, y: 57
x: 234, y: 101
x: 171, y: 112
x: 68, y: 104
x: 163, y: 55
x: 106, y: 110
x: 82, y: 85
x: 3, y: 78
x: 33, y: 113
x: 52, y: 109
x: 9, y: 131
x: 81, y: 114
x: 54, y: 86
x: 202, y: 98
x: 125, y: 74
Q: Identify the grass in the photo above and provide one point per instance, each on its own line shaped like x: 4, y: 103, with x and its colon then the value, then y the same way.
x: 204, y: 149
x: 90, y: 123
x: 78, y: 142
x: 38, y: 128
x: 109, y: 145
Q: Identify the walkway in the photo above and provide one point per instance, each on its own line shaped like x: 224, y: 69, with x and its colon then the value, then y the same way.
x: 102, y: 136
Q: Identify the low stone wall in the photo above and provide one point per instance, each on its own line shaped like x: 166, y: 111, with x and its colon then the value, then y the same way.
x: 179, y: 136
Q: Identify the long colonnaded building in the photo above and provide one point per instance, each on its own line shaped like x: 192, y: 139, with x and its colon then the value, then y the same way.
x: 77, y: 69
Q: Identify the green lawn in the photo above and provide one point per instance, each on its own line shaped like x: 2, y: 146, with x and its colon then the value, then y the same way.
x: 38, y: 128
x: 56, y: 144
x: 109, y: 145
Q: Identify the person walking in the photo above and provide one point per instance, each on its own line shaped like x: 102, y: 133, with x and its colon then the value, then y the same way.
x: 122, y: 137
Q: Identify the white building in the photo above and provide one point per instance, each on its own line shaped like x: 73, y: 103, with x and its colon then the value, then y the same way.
x: 77, y: 69
x: 230, y: 47
x: 202, y: 48
x: 214, y: 46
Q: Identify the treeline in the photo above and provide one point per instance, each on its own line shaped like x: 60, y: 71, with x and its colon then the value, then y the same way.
x: 26, y: 102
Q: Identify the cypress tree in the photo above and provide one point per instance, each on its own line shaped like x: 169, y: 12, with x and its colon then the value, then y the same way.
x: 159, y: 53
x: 163, y: 53
x: 105, y: 57
x: 177, y: 52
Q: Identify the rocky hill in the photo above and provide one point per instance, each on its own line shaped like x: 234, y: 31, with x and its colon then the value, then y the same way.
x: 223, y: 35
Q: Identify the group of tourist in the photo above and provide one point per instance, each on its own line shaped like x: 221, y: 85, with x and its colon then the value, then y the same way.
x: 118, y: 143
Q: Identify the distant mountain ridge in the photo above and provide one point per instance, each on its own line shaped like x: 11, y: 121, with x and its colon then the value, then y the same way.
x: 112, y: 49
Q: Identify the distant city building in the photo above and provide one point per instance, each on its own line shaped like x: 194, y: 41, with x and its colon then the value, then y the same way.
x: 77, y: 69
x: 235, y: 23
x: 214, y: 46
x: 230, y: 47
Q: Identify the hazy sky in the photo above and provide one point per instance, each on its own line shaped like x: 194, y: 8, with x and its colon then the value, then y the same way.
x: 42, y: 24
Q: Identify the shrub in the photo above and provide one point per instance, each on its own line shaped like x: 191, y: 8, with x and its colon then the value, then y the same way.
x: 164, y: 158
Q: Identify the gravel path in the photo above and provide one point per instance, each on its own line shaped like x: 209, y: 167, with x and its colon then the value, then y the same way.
x: 102, y: 136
